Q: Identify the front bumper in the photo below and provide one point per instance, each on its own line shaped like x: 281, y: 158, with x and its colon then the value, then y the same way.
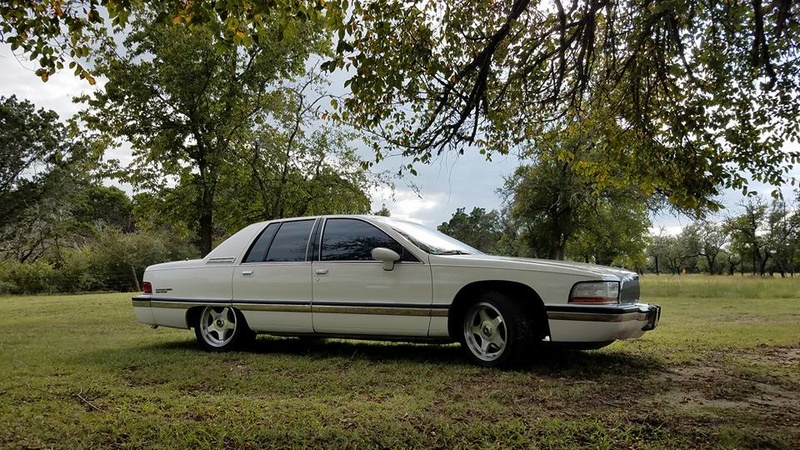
x: 599, y: 323
x: 653, y: 317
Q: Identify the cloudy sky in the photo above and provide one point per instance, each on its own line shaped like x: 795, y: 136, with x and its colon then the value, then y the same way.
x: 450, y: 182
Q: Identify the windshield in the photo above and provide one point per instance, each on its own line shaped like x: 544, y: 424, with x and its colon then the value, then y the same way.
x: 431, y: 241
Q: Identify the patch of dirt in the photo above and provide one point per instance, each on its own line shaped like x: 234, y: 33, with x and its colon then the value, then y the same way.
x: 722, y: 389
x: 134, y: 379
x: 781, y: 356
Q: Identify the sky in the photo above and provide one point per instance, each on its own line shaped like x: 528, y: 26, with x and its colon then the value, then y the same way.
x: 451, y: 181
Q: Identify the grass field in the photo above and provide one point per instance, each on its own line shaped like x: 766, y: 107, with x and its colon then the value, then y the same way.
x: 722, y: 370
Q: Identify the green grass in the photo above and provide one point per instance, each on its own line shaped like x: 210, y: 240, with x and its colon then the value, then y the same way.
x: 722, y: 370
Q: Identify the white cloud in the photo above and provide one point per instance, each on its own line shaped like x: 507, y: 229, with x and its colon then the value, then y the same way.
x: 449, y: 183
x: 19, y: 78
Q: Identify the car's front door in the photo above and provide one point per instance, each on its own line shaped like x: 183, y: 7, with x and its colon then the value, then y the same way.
x: 272, y: 285
x: 354, y: 295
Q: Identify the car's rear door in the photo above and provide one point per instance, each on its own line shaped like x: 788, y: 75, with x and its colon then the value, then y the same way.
x: 354, y: 295
x: 272, y: 284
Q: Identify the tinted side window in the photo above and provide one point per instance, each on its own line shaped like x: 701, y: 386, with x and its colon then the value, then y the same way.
x: 258, y: 252
x: 291, y: 241
x: 353, y: 240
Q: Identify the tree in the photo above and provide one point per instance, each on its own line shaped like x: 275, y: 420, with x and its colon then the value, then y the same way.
x: 782, y: 234
x: 666, y: 252
x: 384, y: 211
x: 557, y: 198
x: 63, y: 31
x: 34, y: 146
x: 188, y: 106
x: 479, y: 229
x: 43, y: 172
x: 296, y: 165
x: 704, y: 239
x: 747, y: 234
x: 613, y: 233
x: 687, y: 94
x: 700, y: 91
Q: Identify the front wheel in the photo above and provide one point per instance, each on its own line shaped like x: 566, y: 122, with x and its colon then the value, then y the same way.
x: 496, y: 330
x: 221, y: 328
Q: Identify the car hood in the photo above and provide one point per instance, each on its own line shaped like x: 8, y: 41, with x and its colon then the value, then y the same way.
x: 531, y: 264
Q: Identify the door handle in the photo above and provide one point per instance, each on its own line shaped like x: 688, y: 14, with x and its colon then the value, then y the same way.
x: 321, y: 272
x: 247, y: 273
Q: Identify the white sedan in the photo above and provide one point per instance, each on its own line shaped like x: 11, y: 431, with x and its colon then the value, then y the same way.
x: 368, y: 277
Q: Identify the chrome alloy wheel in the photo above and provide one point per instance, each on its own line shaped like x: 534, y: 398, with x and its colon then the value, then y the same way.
x: 485, y: 331
x: 218, y: 325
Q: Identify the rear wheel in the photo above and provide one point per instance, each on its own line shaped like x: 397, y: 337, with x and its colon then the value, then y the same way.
x: 496, y: 330
x: 221, y: 328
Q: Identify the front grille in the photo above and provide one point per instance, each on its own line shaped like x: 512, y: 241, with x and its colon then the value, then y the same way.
x: 629, y: 289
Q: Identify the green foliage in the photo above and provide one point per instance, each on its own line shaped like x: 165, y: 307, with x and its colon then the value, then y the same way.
x: 766, y: 234
x: 384, y: 211
x: 36, y: 153
x: 562, y: 210
x: 479, y: 229
x: 112, y: 261
x: 763, y: 239
x: 614, y: 234
x: 53, y: 32
x: 686, y: 97
x: 195, y: 112
x: 296, y: 165
x: 67, y: 216
x: 63, y: 31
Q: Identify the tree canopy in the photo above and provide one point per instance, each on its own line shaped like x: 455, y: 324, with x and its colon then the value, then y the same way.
x: 689, y: 96
x: 37, y: 152
x: 220, y: 128
x: 480, y: 229
x: 686, y: 95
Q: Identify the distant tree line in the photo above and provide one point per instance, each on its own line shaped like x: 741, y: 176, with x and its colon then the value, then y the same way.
x: 764, y: 239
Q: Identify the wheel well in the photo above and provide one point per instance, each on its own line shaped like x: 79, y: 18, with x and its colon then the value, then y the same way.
x: 528, y: 298
x: 192, y: 315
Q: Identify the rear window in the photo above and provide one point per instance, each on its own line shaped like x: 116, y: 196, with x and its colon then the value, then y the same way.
x: 290, y: 242
x: 258, y: 252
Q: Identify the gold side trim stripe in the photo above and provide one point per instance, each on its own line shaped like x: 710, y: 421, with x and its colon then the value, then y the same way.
x: 380, y: 311
x: 181, y: 305
x: 596, y: 317
x: 272, y: 308
x: 329, y: 309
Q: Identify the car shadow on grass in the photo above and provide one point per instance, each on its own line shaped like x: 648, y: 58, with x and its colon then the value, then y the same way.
x: 578, y: 364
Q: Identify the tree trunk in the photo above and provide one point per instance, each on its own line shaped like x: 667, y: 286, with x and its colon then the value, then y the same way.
x: 206, y: 233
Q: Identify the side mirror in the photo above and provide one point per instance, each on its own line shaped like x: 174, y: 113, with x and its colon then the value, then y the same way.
x: 387, y: 256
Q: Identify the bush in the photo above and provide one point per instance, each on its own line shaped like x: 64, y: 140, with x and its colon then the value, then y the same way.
x: 28, y: 278
x: 115, y: 261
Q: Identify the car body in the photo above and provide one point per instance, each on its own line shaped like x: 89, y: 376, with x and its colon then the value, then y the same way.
x: 372, y: 277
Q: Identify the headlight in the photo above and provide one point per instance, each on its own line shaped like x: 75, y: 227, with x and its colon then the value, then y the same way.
x: 593, y: 292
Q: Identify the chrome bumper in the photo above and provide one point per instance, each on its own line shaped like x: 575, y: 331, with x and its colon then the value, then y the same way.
x: 649, y: 314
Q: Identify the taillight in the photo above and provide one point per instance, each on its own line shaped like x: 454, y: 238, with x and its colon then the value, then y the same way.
x: 594, y: 292
x: 147, y: 288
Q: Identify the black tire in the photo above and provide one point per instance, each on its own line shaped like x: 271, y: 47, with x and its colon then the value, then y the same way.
x: 496, y: 331
x: 222, y: 328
